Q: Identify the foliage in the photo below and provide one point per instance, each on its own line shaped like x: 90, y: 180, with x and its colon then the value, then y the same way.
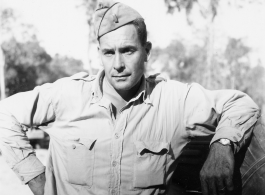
x: 59, y: 66
x: 207, y: 8
x: 230, y: 69
x: 90, y: 6
x: 12, y: 26
x: 179, y: 61
x: 215, y: 69
x: 28, y: 65
x: 22, y: 60
x: 7, y: 18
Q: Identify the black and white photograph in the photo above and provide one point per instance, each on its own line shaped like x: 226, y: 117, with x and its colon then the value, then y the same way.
x: 132, y: 97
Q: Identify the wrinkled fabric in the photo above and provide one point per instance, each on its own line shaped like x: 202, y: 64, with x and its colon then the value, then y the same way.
x: 249, y: 173
x: 92, y: 153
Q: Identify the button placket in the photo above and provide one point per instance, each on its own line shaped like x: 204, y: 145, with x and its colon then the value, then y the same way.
x: 115, y: 164
x: 116, y: 152
x: 117, y: 144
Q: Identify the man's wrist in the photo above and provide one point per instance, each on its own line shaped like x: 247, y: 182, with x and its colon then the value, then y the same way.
x: 225, y: 142
x: 37, y: 184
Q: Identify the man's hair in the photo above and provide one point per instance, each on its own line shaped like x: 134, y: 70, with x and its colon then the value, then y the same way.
x: 141, y: 30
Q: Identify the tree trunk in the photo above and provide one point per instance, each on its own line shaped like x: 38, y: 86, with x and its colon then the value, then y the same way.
x: 2, y: 74
x: 210, y: 52
x: 90, y: 42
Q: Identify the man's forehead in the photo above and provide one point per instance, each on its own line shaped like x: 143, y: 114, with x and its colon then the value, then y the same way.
x: 124, y: 36
x: 121, y: 44
x: 112, y: 15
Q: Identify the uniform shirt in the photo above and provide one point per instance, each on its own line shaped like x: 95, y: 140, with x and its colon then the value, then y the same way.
x: 92, y: 153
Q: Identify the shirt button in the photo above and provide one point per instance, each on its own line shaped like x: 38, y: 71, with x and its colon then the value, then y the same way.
x: 113, y: 191
x: 114, y: 163
x: 22, y: 178
x: 117, y: 135
x: 73, y: 146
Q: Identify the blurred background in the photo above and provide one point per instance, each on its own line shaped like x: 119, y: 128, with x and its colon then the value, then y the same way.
x: 218, y: 44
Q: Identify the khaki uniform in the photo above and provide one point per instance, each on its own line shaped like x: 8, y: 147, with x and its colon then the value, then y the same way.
x: 92, y: 153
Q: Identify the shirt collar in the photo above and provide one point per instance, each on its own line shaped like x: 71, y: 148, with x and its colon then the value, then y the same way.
x: 97, y: 94
x: 142, y: 92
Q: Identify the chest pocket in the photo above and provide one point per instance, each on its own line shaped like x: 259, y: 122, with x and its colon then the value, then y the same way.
x: 80, y: 162
x: 150, y: 163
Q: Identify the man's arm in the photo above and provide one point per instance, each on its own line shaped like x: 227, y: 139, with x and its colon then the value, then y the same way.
x: 17, y: 113
x: 217, y: 172
x: 228, y: 114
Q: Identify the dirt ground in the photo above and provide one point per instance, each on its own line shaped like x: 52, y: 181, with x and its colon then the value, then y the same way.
x: 9, y: 183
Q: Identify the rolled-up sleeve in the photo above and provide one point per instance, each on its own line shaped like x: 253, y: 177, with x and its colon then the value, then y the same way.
x: 227, y: 114
x: 18, y: 113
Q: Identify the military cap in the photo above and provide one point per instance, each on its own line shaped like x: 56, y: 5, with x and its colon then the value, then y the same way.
x: 111, y: 15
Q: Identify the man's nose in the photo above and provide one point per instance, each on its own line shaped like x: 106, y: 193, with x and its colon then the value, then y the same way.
x: 119, y: 63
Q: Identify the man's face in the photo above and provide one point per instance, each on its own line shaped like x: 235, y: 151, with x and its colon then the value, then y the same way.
x: 123, y: 57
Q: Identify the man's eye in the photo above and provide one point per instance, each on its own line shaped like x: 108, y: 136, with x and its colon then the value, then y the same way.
x: 109, y: 54
x: 129, y: 51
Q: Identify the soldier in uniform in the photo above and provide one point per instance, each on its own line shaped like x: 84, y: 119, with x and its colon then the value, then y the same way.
x: 118, y: 132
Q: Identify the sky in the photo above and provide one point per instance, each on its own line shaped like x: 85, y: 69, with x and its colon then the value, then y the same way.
x: 62, y: 29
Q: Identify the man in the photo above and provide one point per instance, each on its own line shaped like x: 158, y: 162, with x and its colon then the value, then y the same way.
x: 119, y: 132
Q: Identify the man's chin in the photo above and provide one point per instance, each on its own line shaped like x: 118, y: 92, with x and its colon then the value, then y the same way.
x: 122, y: 86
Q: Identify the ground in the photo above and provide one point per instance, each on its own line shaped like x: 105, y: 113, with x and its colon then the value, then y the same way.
x: 9, y: 183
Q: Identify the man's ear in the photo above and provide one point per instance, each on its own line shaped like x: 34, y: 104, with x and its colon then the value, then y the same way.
x: 148, y: 48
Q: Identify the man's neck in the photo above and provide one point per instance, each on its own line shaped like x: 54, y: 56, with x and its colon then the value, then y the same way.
x: 129, y: 94
x: 118, y: 98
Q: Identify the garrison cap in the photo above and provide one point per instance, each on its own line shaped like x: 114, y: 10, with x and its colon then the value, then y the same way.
x: 111, y: 15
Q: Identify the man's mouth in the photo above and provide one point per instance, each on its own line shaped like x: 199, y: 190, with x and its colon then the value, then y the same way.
x: 121, y: 76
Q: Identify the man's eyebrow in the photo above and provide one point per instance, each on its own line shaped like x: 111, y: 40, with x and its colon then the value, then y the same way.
x: 107, y: 49
x: 128, y: 47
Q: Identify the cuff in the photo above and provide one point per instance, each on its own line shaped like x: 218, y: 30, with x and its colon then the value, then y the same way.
x: 28, y: 169
x: 233, y: 134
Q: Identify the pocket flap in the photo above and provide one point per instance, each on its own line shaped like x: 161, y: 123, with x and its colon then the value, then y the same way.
x: 88, y: 142
x: 152, y: 147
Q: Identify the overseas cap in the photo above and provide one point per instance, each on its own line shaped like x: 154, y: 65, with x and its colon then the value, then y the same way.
x: 111, y: 15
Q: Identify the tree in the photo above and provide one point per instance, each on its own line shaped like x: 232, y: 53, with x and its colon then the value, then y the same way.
x: 22, y: 62
x: 186, y: 63
x: 29, y: 65
x: 11, y: 27
x: 58, y: 67
x: 255, y: 84
x: 180, y: 62
x: 7, y: 17
x: 90, y: 6
x: 208, y: 10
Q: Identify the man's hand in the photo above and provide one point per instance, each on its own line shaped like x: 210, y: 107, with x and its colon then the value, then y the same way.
x: 37, y: 184
x: 217, y: 172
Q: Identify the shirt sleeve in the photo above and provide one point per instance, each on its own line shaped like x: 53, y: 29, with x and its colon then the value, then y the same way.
x: 18, y: 113
x: 229, y: 114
